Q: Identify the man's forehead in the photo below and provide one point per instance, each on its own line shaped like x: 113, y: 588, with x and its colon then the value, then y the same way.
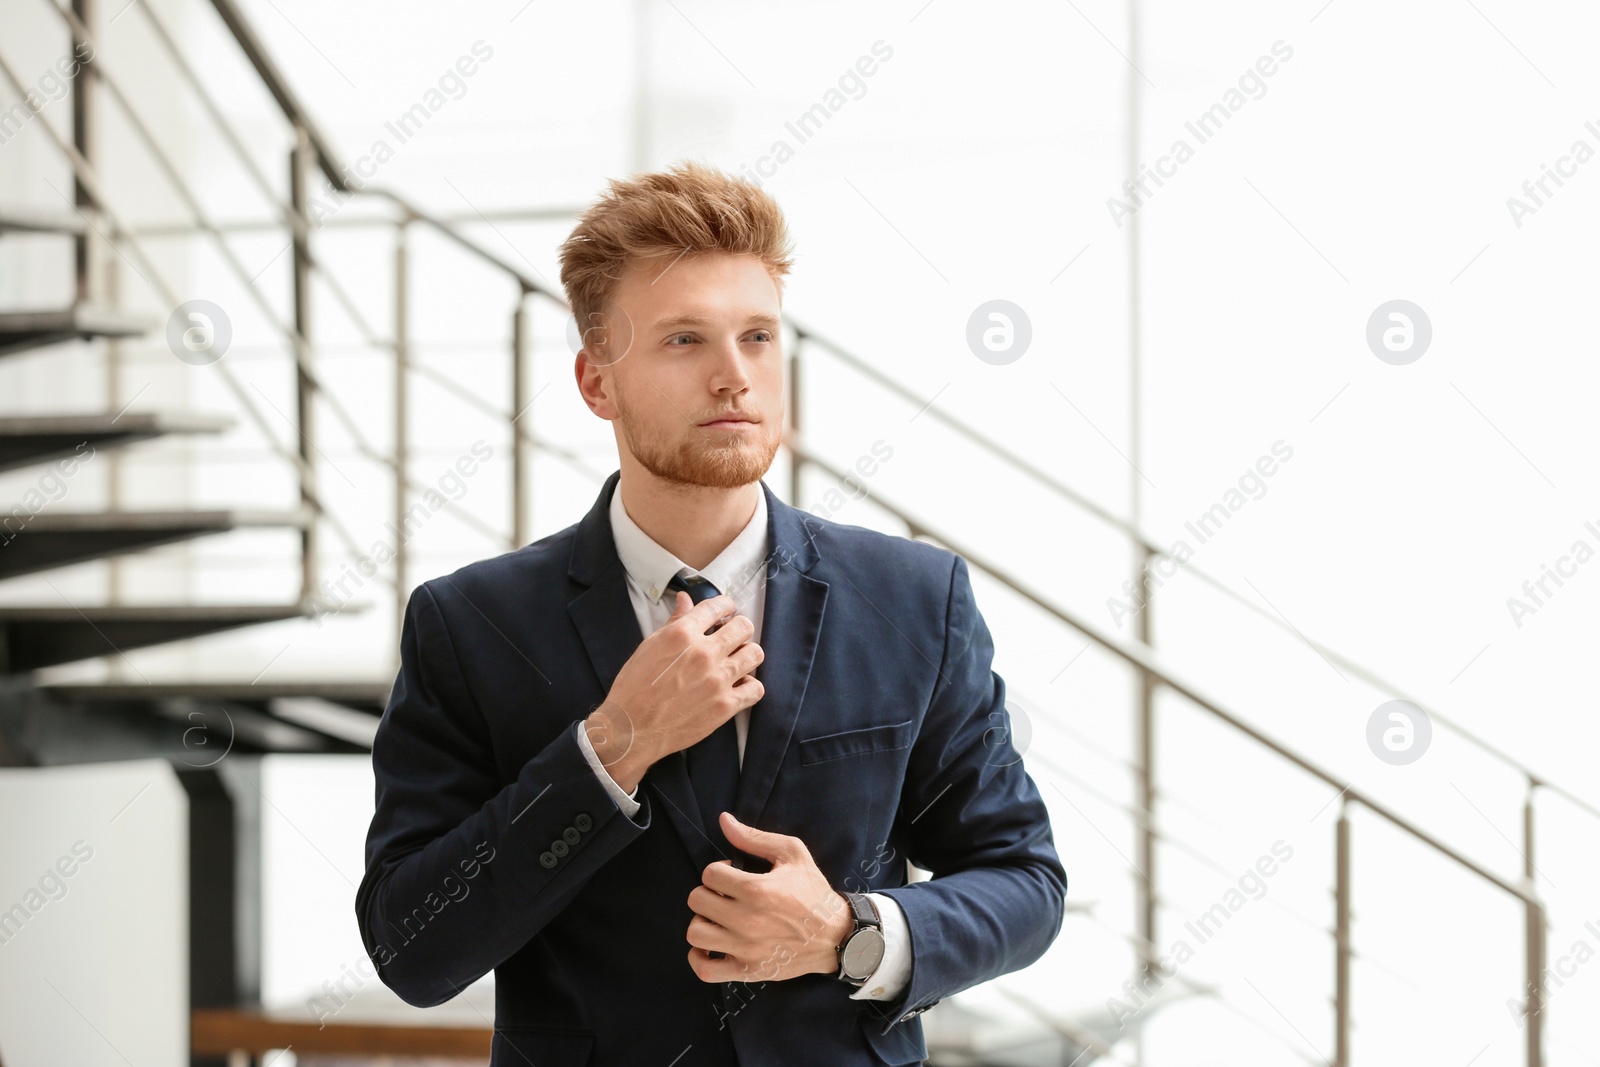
x: 666, y: 287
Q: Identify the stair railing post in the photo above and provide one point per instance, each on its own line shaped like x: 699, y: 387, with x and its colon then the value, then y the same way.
x: 519, y: 406
x: 1341, y: 939
x: 1145, y: 739
x: 402, y: 430
x: 116, y: 372
x: 1535, y: 934
x: 85, y: 138
x: 300, y: 161
x: 85, y: 130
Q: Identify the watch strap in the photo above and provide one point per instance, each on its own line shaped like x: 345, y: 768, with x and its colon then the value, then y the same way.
x: 864, y: 912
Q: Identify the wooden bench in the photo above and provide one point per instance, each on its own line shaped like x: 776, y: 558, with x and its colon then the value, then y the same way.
x: 224, y: 1032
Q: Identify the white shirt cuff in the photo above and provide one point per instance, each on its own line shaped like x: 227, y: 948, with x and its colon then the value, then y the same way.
x: 894, y: 970
x: 625, y: 801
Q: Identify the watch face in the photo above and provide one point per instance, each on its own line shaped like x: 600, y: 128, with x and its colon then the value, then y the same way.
x: 863, y: 952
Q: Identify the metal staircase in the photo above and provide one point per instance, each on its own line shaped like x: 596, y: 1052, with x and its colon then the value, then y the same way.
x: 21, y: 331
x: 56, y: 540
x: 36, y: 636
x: 30, y: 440
x: 313, y: 715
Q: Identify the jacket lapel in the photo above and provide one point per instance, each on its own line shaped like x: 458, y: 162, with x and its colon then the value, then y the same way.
x: 791, y: 626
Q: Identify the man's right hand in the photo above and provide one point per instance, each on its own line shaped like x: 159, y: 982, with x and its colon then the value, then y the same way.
x: 679, y: 685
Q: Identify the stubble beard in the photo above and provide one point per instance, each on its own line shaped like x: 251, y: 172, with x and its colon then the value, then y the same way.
x: 706, y: 457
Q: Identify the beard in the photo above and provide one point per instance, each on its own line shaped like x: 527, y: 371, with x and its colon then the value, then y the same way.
x: 706, y: 457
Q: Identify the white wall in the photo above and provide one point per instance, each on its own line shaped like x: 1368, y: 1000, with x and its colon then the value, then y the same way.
x: 98, y: 973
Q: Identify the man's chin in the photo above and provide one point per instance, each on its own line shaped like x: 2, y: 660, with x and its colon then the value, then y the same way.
x: 730, y: 468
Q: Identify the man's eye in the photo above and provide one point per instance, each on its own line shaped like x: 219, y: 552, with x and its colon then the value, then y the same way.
x: 764, y: 335
x: 677, y: 337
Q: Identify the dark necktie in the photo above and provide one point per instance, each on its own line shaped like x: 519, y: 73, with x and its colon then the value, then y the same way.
x: 713, y: 761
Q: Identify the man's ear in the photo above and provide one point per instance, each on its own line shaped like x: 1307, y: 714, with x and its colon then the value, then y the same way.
x: 594, y: 385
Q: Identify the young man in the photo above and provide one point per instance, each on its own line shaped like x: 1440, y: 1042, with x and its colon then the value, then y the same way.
x: 662, y: 771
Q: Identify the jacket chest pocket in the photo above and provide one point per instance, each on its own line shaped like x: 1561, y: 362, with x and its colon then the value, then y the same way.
x: 869, y: 739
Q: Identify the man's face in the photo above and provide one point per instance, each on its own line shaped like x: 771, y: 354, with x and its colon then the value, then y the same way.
x: 691, y: 340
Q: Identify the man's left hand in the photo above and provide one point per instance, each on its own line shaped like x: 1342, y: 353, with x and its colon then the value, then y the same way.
x: 770, y: 926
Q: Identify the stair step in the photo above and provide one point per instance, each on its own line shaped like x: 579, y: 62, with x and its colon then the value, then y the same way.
x: 24, y: 330
x: 368, y: 696
x: 17, y: 218
x: 25, y: 441
x: 359, y: 728
x: 40, y: 542
x: 34, y: 637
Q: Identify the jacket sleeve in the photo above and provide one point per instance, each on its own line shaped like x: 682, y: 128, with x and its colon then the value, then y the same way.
x: 971, y: 814
x: 462, y: 869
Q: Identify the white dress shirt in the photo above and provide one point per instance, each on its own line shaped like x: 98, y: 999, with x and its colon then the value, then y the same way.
x: 740, y: 572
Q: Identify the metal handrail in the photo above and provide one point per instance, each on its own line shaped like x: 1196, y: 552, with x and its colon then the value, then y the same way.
x: 295, y: 220
x: 288, y: 102
x: 1147, y: 821
x: 88, y: 177
x: 805, y: 333
x: 1147, y: 662
x: 327, y: 160
x: 529, y: 285
x: 1146, y: 659
x: 1148, y: 544
x: 543, y: 214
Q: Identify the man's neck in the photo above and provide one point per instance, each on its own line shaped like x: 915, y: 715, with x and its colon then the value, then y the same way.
x: 694, y: 523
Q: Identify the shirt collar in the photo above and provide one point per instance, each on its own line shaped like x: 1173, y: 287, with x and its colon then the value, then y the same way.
x: 651, y: 566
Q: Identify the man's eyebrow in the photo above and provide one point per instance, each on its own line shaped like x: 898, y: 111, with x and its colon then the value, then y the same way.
x: 760, y: 318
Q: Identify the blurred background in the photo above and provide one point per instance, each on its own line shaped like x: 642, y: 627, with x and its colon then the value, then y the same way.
x: 1245, y: 350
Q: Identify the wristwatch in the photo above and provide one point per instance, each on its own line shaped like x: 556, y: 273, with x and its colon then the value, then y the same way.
x: 862, y: 949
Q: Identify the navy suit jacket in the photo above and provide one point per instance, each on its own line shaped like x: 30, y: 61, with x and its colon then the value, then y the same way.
x: 881, y: 737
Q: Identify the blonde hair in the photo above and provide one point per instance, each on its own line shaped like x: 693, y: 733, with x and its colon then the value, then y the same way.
x: 689, y: 208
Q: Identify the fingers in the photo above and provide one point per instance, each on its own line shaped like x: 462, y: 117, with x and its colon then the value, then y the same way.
x: 712, y: 610
x: 749, y: 690
x: 746, y: 658
x: 723, y: 879
x: 710, y: 904
x: 718, y: 615
x: 715, y: 966
x: 706, y: 617
x: 734, y: 631
x: 717, y: 609
x: 708, y: 936
x: 767, y: 844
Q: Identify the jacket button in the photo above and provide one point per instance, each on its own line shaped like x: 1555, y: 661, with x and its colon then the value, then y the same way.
x: 547, y: 860
x: 559, y: 847
x: 583, y: 822
x: 571, y: 836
